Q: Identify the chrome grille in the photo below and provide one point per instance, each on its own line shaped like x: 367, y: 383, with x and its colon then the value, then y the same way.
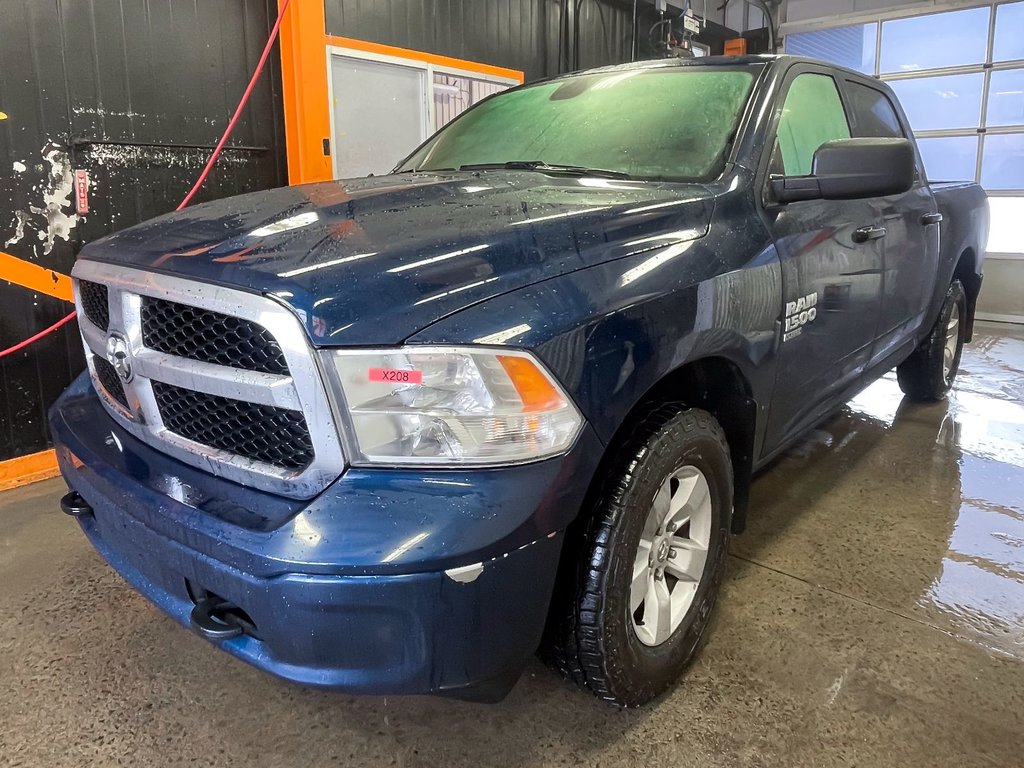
x: 95, y: 303
x: 218, y: 378
x: 272, y: 435
x: 210, y: 337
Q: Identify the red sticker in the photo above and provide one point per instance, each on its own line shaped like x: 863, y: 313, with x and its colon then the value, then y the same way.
x: 81, y: 193
x: 396, y: 376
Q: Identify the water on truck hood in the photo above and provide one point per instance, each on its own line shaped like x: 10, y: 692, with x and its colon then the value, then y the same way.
x: 372, y: 261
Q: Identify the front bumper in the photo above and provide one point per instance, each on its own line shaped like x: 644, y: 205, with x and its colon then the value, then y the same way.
x: 390, y: 581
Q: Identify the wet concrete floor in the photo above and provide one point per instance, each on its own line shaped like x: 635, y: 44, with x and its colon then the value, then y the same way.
x: 873, y: 615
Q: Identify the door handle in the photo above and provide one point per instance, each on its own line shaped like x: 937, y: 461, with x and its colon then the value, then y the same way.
x: 863, y: 234
x: 931, y: 218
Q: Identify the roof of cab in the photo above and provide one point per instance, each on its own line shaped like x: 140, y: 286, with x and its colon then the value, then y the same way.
x: 760, y: 59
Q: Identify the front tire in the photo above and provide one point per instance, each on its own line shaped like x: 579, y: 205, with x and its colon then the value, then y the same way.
x: 633, y: 605
x: 928, y: 373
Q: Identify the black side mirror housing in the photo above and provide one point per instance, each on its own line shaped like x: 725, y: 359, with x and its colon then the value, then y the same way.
x: 849, y: 169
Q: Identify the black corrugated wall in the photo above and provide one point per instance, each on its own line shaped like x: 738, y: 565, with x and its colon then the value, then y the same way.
x: 519, y: 34
x: 134, y: 92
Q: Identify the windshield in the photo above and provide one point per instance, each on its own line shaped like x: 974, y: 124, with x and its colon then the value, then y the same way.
x: 668, y: 123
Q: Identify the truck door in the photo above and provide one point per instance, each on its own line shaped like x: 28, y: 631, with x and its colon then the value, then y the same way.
x: 831, y: 257
x: 911, y: 244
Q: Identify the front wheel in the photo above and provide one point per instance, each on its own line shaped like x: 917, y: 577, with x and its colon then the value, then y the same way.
x: 649, y: 564
x: 930, y: 370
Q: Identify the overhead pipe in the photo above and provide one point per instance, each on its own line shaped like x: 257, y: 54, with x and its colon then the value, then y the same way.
x: 762, y: 6
x: 632, y: 46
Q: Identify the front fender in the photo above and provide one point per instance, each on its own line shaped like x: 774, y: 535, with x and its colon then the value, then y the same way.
x: 611, y: 332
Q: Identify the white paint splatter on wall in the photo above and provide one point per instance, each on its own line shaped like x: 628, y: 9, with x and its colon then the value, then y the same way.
x: 55, y: 218
x: 20, y: 219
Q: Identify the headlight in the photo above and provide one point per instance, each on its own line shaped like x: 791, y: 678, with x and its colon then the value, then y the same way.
x: 454, y: 406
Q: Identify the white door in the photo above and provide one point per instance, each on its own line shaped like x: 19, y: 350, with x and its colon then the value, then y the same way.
x: 379, y: 112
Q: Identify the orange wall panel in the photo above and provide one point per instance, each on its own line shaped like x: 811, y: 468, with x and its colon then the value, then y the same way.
x: 307, y: 119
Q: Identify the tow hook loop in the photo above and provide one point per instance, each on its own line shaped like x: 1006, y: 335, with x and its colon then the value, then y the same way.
x: 73, y: 504
x: 212, y: 619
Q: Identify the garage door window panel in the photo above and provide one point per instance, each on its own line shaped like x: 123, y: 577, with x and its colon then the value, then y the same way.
x: 1006, y: 98
x: 1002, y: 162
x: 949, y: 158
x: 941, y: 103
x: 1008, y: 44
x: 935, y: 41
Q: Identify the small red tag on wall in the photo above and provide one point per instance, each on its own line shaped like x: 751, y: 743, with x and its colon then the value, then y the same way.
x: 81, y: 192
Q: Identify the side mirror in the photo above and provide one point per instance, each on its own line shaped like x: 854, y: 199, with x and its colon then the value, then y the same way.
x: 847, y: 169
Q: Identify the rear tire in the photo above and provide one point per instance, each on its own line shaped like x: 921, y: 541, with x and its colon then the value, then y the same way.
x: 928, y: 373
x: 641, y: 577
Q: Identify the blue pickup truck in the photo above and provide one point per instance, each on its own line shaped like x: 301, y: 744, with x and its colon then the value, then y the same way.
x: 396, y: 434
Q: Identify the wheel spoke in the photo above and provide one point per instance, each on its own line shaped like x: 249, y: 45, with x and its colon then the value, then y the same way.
x: 658, y: 611
x: 638, y: 587
x: 688, y: 499
x: 662, y: 505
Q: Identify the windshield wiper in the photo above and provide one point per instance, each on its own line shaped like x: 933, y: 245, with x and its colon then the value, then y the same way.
x: 540, y: 165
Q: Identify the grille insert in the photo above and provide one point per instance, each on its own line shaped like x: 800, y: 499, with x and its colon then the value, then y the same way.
x: 95, y: 303
x: 110, y: 380
x: 210, y: 337
x: 274, y: 436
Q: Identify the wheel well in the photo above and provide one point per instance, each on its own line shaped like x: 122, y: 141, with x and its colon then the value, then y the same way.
x: 966, y: 272
x: 716, y: 385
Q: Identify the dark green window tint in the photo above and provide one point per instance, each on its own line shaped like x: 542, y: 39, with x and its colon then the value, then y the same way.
x: 667, y: 123
x: 873, y: 112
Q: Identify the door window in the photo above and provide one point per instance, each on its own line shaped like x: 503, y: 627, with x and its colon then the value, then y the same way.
x: 873, y: 114
x: 811, y: 115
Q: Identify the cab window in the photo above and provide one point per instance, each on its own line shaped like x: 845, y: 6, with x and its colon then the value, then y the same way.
x: 812, y: 114
x: 873, y: 114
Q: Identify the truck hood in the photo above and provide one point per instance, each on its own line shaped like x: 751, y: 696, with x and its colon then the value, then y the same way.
x: 373, y: 261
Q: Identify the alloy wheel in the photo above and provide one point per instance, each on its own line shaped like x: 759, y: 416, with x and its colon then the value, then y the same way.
x: 671, y: 556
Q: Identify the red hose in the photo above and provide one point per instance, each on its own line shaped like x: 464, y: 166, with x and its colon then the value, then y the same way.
x: 21, y: 345
x: 202, y: 176
x: 241, y: 105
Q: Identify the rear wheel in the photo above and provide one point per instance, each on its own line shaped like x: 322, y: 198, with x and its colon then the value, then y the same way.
x: 929, y: 372
x: 632, y: 607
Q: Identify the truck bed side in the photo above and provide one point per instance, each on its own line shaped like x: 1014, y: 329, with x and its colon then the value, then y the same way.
x: 964, y: 234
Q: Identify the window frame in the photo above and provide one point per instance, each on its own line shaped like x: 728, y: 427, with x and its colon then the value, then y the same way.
x: 901, y: 119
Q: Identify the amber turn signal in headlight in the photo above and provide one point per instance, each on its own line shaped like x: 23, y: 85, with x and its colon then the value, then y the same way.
x: 450, y: 406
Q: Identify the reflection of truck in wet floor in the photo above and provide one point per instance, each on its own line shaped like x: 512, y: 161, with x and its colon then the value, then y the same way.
x: 393, y: 434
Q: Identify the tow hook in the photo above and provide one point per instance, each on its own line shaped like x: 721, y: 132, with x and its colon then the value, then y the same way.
x: 73, y: 504
x: 213, y: 619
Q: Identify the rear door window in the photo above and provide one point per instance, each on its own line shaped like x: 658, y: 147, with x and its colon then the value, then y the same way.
x: 874, y: 116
